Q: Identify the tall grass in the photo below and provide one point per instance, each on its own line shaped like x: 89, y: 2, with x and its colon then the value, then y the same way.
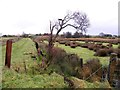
x: 25, y: 71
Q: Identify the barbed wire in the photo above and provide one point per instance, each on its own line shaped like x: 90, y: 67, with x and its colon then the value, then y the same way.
x: 94, y: 73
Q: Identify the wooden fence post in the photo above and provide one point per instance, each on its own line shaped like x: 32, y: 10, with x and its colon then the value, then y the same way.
x: 112, y: 66
x: 8, y: 53
x: 80, y: 62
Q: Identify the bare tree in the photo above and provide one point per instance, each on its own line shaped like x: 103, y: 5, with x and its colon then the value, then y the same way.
x: 81, y: 21
x: 77, y: 20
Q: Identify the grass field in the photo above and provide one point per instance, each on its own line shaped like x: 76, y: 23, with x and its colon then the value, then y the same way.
x: 84, y: 53
x: 19, y: 49
x: 35, y: 79
x: 6, y: 38
x: 114, y: 45
x: 12, y: 79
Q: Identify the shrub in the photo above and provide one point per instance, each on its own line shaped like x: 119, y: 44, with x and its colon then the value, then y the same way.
x: 78, y: 44
x: 58, y: 55
x: 62, y: 42
x: 91, y: 47
x: 102, y: 46
x: 94, y: 65
x: 67, y: 43
x: 117, y: 51
x: 84, y: 45
x: 109, y: 45
x: 66, y: 62
x: 73, y: 60
x: 73, y: 45
x: 101, y: 52
x: 95, y: 49
x: 109, y: 51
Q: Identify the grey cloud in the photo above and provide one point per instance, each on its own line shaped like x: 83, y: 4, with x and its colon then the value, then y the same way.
x: 24, y: 24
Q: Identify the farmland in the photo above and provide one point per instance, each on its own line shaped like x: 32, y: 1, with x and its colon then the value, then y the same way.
x: 84, y: 53
x: 17, y: 78
x: 26, y: 71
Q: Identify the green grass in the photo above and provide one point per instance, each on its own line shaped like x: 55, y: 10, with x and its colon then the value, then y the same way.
x: 19, y: 49
x: 84, y: 84
x: 6, y: 38
x: 29, y: 78
x: 11, y: 79
x: 84, y: 53
x: 114, y: 45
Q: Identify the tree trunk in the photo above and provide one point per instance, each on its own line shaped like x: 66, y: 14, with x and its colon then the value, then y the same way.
x: 50, y: 46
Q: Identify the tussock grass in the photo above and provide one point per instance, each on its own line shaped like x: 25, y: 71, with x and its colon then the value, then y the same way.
x: 12, y: 79
x: 84, y: 53
x: 78, y: 83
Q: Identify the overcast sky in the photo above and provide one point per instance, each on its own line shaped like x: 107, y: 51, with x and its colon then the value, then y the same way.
x: 33, y: 16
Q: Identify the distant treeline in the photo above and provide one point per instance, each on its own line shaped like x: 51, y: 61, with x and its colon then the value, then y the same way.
x: 69, y: 35
x: 80, y: 35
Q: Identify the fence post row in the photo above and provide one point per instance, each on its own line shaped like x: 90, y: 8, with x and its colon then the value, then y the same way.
x: 8, y: 53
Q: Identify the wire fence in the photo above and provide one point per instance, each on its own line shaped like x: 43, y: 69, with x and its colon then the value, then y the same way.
x: 94, y: 73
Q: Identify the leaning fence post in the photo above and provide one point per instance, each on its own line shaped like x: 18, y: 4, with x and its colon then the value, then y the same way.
x: 80, y: 61
x: 111, y: 68
x: 8, y: 53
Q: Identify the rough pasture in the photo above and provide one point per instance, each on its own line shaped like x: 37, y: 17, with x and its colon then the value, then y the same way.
x: 25, y: 71
x: 84, y: 53
x: 85, y: 48
x: 114, y: 41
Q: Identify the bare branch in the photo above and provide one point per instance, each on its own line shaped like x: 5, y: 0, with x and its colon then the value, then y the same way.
x: 80, y: 22
x: 67, y: 18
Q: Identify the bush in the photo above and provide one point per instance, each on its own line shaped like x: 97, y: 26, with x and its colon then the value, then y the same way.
x: 109, y: 45
x: 91, y: 47
x: 109, y: 51
x: 84, y: 45
x: 58, y: 55
x: 95, y: 49
x: 66, y: 62
x: 73, y: 45
x: 73, y: 60
x: 117, y: 51
x: 94, y: 65
x: 62, y: 42
x: 67, y: 43
x: 101, y: 52
x: 102, y: 46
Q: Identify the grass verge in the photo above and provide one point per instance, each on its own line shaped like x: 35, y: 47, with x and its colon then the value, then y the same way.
x: 23, y: 73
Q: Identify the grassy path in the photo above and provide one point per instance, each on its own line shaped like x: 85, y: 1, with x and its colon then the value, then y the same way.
x: 19, y: 49
x: 30, y: 79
